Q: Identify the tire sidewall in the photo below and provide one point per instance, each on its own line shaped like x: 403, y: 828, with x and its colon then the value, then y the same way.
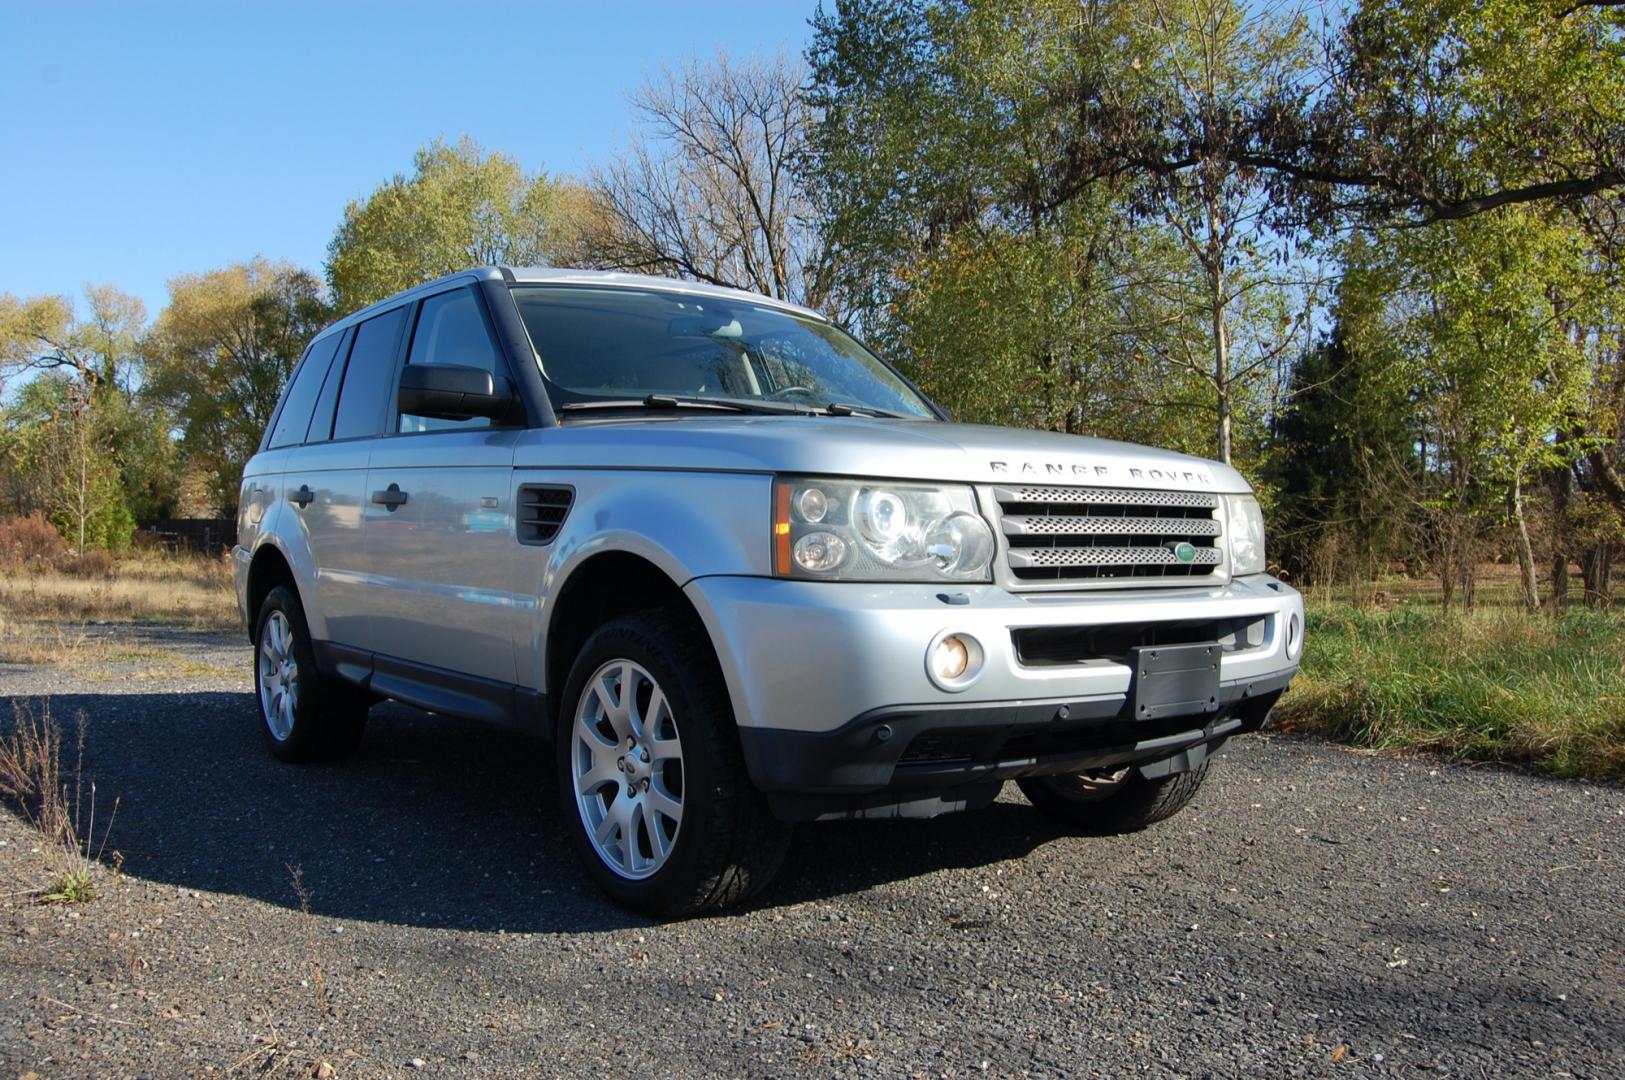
x: 693, y: 701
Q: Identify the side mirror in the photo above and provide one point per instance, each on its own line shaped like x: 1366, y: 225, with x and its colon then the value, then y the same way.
x: 454, y: 392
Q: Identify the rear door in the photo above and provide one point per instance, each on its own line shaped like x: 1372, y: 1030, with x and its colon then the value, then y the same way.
x: 326, y: 478
x: 440, y: 527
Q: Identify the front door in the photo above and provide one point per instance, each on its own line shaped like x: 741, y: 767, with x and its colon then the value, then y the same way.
x: 439, y: 516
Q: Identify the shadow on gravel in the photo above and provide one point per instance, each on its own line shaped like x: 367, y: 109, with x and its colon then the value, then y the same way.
x: 434, y: 822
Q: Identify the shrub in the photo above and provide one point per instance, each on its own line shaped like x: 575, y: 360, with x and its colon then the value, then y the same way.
x: 92, y: 564
x: 29, y: 542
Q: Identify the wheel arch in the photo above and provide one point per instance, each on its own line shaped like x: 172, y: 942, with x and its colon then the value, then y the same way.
x: 601, y: 587
x: 267, y: 569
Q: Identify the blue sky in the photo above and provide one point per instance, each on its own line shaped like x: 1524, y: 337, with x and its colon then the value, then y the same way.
x: 144, y: 140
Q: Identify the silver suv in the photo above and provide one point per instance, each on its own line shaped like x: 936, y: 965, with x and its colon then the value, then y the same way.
x: 741, y: 572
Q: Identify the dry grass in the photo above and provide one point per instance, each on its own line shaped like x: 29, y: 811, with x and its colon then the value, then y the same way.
x: 188, y: 590
x: 47, y: 612
x: 60, y: 805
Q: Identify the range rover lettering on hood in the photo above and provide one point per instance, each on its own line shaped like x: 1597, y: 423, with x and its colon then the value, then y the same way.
x: 1057, y: 470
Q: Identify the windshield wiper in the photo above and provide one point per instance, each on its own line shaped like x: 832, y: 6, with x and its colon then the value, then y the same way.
x: 674, y: 401
x: 845, y: 408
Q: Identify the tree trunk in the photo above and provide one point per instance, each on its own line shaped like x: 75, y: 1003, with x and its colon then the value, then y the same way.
x: 1560, y: 580
x: 1562, y: 497
x: 1221, y: 335
x: 1597, y: 571
x: 84, y: 468
x: 1526, y: 553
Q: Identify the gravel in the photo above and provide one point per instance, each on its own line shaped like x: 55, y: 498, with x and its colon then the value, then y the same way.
x: 1315, y: 911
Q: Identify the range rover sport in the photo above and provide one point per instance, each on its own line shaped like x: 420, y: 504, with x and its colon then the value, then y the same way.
x: 740, y: 572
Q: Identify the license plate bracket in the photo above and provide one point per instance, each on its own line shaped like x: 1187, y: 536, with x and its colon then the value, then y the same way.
x: 1174, y: 680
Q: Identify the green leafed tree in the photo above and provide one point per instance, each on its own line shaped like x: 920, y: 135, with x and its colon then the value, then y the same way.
x: 219, y: 356
x: 54, y: 445
x: 79, y: 446
x: 992, y: 142
x: 1474, y: 322
x: 459, y: 207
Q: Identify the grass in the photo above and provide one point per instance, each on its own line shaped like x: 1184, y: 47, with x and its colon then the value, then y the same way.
x: 188, y: 590
x: 1546, y: 692
x: 61, y: 805
x: 46, y: 611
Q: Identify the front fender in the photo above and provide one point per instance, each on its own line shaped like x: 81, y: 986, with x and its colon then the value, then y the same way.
x: 687, y: 524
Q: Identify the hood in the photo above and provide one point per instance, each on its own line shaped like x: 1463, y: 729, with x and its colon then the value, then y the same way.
x: 862, y: 446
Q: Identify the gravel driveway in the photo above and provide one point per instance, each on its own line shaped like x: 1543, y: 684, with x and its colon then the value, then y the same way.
x: 1316, y: 911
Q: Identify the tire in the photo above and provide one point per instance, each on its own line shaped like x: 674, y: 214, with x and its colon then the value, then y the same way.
x: 304, y: 715
x: 670, y: 824
x: 1107, y: 805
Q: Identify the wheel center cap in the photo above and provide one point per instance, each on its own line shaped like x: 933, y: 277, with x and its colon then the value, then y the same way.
x: 637, y: 768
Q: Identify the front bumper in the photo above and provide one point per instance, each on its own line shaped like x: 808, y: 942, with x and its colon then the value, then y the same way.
x: 831, y: 692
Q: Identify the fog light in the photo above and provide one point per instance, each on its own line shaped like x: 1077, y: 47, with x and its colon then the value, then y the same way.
x: 1294, y: 636
x: 954, y: 661
x: 949, y: 659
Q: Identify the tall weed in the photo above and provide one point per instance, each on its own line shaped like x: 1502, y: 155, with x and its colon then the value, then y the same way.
x: 1499, y: 685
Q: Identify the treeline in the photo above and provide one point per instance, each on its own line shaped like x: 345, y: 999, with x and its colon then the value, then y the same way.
x: 1370, y: 256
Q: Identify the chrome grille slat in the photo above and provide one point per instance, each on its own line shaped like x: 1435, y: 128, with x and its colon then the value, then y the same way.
x: 1107, y: 525
x: 1070, y: 496
x: 1031, y: 558
x: 1113, y: 536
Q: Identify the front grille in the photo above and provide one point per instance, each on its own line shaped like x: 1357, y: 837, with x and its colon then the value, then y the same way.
x: 542, y: 510
x: 1080, y: 533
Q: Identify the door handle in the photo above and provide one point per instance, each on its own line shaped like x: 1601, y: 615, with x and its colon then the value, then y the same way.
x: 390, y: 497
x: 303, y: 497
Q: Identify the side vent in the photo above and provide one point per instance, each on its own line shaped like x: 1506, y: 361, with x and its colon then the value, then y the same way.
x: 542, y: 510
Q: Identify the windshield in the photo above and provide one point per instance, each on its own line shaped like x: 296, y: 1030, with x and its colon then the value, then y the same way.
x: 622, y: 343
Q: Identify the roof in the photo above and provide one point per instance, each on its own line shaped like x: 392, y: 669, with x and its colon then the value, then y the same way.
x: 553, y: 275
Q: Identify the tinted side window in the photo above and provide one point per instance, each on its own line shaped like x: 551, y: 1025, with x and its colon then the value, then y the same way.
x: 302, y: 392
x: 321, y: 418
x: 369, y: 376
x: 451, y: 330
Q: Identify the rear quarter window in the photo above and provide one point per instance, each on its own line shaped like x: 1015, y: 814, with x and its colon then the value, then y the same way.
x: 369, y: 376
x: 303, y: 391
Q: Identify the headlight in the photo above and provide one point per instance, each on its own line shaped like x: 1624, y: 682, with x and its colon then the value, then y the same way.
x: 860, y: 530
x: 1246, y: 532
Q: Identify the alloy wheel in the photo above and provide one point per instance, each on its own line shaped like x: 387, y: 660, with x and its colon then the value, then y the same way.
x: 626, y: 762
x: 279, y: 676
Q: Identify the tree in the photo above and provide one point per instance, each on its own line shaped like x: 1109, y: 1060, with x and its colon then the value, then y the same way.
x: 707, y: 189
x: 1203, y: 66
x: 967, y: 129
x: 460, y: 207
x: 101, y: 351
x: 1427, y: 112
x: 1345, y: 463
x: 53, y: 444
x: 1441, y: 110
x: 73, y: 426
x: 220, y: 354
x: 1474, y: 319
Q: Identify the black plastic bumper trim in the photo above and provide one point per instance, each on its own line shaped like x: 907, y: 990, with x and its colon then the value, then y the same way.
x: 865, y: 755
